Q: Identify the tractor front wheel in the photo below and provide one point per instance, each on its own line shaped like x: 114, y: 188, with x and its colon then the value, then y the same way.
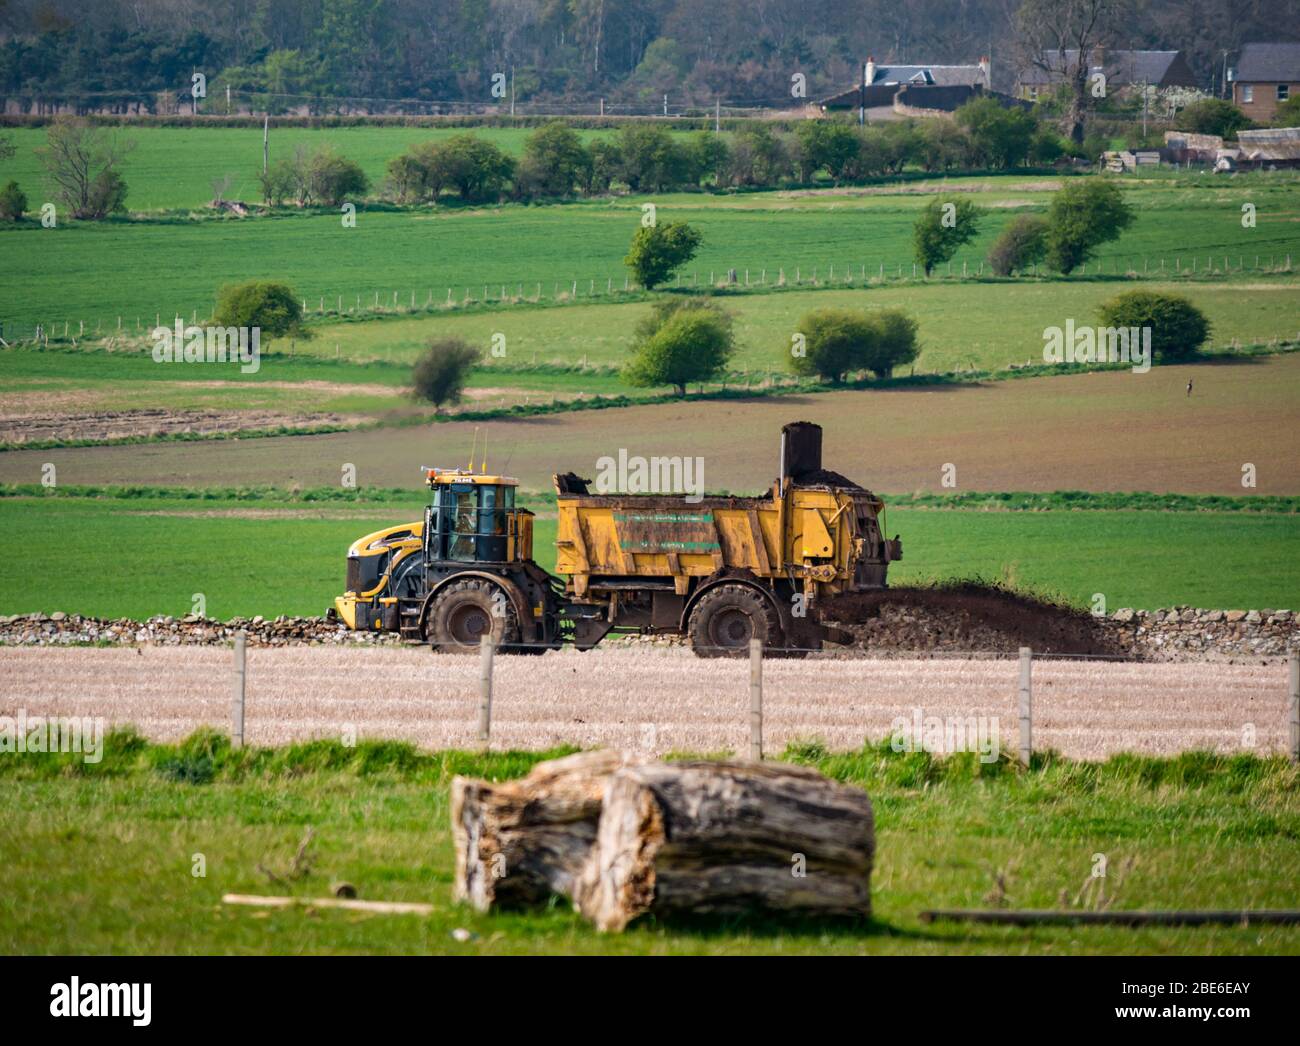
x: 465, y: 611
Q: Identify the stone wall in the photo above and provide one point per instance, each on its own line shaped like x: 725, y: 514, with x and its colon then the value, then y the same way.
x: 1178, y: 633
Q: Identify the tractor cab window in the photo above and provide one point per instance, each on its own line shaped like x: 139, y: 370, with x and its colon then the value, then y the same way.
x: 470, y: 522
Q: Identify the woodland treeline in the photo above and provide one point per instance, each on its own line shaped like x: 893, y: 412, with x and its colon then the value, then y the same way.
x: 739, y: 51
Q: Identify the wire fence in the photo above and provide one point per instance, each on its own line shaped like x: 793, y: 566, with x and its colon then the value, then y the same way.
x: 1089, y: 704
x: 414, y: 301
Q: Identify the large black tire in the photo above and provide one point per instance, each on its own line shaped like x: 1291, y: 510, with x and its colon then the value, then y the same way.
x: 464, y: 611
x: 727, y: 617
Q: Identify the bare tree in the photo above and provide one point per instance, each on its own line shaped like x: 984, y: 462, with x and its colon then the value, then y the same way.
x: 1060, y: 37
x: 81, y: 164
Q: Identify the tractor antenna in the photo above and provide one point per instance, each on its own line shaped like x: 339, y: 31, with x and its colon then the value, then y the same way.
x: 483, y: 467
x: 472, y: 448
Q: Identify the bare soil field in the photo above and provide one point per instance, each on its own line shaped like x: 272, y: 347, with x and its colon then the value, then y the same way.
x: 1102, y: 431
x: 105, y: 425
x: 651, y: 700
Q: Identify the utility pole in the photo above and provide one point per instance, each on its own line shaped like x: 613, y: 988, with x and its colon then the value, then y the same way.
x: 266, y: 135
x: 1145, y: 88
x: 512, y: 90
x: 862, y: 99
x: 717, y: 116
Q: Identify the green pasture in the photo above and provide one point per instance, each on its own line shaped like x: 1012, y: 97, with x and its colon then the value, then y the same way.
x: 962, y: 325
x: 359, y: 369
x: 141, y: 271
x: 273, y: 556
x: 105, y: 853
x: 173, y: 167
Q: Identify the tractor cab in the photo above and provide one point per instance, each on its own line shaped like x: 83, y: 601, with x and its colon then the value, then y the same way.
x: 472, y: 518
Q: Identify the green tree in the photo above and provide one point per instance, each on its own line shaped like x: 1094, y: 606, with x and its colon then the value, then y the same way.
x: 942, y: 227
x: 835, y: 342
x: 999, y: 136
x: 759, y: 156
x: 710, y: 157
x: 1212, y: 116
x: 944, y: 145
x: 895, y: 343
x: 81, y: 165
x: 1288, y: 113
x: 478, y: 170
x: 826, y: 145
x: 272, y: 307
x: 682, y: 341
x: 277, y: 182
x: 13, y: 202
x: 604, y: 161
x: 651, y: 160
x: 1084, y: 214
x: 658, y: 250
x: 333, y: 178
x: 1021, y: 244
x: 554, y: 162
x: 441, y: 371
x: 1046, y: 147
x: 1178, y: 328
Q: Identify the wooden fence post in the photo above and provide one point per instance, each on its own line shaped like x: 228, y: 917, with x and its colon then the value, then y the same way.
x: 237, y: 699
x: 1026, y: 706
x: 756, y: 699
x: 1294, y: 667
x: 485, y: 690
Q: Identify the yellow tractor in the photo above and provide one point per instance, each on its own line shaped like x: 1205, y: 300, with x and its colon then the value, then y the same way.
x: 721, y: 569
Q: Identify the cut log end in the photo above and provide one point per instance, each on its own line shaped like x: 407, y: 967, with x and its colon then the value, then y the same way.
x: 710, y: 838
x: 519, y: 842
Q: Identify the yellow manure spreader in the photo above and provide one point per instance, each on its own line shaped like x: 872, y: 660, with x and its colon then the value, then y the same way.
x: 721, y: 569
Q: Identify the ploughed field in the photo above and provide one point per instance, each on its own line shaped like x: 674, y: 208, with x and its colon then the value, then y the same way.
x: 655, y: 700
x: 1101, y: 431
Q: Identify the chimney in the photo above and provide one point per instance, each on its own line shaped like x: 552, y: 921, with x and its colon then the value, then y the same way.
x: 984, y: 68
x: 869, y: 74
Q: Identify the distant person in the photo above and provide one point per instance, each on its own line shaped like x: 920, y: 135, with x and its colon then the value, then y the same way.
x: 1189, y: 387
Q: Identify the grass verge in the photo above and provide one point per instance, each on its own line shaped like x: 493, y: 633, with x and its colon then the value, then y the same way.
x: 107, y: 853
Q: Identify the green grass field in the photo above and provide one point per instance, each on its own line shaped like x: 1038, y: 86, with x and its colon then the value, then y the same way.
x: 962, y: 325
x: 274, y: 557
x: 105, y: 854
x: 99, y: 272
x: 173, y: 167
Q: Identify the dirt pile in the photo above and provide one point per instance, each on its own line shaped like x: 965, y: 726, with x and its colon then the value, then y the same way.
x: 968, y: 617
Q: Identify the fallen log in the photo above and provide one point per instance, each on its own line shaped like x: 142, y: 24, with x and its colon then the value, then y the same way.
x: 518, y: 842
x: 727, y: 838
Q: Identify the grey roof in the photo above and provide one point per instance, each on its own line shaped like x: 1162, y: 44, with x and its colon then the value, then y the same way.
x: 939, y: 75
x: 1152, y: 67
x: 1268, y: 63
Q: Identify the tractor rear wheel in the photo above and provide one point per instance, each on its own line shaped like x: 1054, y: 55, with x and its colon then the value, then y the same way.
x: 465, y: 611
x: 727, y: 617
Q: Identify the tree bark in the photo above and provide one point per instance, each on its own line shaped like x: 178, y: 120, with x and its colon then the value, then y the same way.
x: 519, y: 842
x: 727, y: 838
